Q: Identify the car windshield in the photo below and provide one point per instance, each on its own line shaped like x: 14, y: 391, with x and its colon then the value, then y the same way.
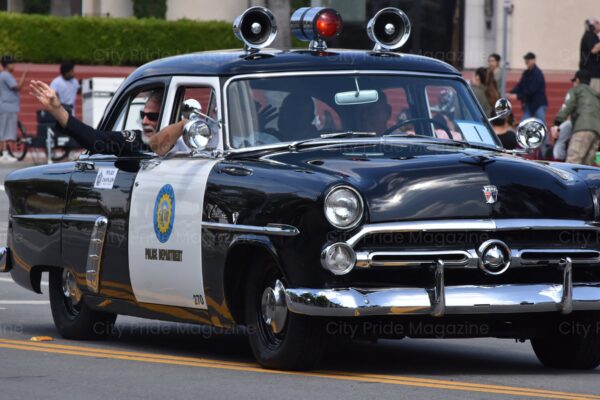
x: 281, y: 109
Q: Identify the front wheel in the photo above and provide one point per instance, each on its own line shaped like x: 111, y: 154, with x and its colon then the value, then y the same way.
x: 279, y: 339
x: 72, y: 317
x: 572, y: 343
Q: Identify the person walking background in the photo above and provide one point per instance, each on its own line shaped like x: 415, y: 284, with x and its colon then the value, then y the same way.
x: 496, y: 70
x: 582, y: 104
x: 66, y: 86
x: 484, y: 89
x: 531, y: 90
x: 9, y: 104
x: 590, y: 52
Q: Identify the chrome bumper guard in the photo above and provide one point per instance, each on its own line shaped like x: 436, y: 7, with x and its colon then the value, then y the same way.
x: 441, y: 300
x: 4, y: 259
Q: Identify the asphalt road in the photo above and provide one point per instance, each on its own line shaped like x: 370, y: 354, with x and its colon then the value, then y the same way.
x: 159, y: 360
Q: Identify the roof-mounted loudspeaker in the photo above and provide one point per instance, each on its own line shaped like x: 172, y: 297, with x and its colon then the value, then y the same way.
x: 389, y: 29
x: 256, y: 27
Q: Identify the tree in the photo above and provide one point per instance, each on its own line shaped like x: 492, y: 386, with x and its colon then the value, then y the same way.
x: 281, y: 10
x: 36, y: 7
x: 150, y: 8
x: 60, y: 8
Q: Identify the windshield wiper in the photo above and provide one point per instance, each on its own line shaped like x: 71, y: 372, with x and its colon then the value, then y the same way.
x: 406, y: 135
x: 346, y: 134
x: 451, y: 142
x: 334, y: 135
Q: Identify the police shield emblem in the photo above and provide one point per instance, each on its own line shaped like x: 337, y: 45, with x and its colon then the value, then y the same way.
x: 490, y: 193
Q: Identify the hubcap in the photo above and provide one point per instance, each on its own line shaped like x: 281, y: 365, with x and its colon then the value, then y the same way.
x: 69, y: 287
x: 274, y: 308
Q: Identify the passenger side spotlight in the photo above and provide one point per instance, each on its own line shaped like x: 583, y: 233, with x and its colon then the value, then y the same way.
x: 389, y: 29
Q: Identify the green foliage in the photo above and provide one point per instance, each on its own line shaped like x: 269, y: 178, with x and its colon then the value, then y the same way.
x: 107, y: 41
x: 296, y: 4
x: 150, y: 8
x: 36, y: 7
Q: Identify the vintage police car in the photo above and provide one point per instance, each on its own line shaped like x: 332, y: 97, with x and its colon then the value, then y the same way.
x: 323, y: 188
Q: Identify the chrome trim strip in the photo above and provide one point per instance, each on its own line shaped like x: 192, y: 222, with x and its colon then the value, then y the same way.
x: 438, y: 304
x: 271, y: 229
x: 560, y: 256
x: 566, y: 301
x: 365, y: 259
x: 513, y: 299
x: 63, y: 217
x: 228, y: 82
x: 470, y: 225
x: 4, y: 259
x: 94, y: 260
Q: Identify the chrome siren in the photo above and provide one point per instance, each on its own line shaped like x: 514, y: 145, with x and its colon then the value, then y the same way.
x: 256, y: 27
x: 315, y: 25
x: 389, y: 29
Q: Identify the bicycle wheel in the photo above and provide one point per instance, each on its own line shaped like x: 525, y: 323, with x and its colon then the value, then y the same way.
x: 59, y: 153
x: 18, y: 149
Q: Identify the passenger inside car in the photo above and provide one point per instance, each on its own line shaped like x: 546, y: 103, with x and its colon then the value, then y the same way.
x: 296, y: 117
x: 373, y: 117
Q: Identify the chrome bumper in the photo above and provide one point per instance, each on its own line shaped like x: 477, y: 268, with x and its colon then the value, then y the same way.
x: 442, y: 300
x: 4, y: 259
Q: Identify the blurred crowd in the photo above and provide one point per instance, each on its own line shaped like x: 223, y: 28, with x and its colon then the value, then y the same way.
x: 575, y: 134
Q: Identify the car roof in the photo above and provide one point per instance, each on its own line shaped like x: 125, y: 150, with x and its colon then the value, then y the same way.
x: 238, y: 62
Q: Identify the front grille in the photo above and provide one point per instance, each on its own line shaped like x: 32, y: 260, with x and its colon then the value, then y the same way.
x: 406, y: 258
x: 462, y: 239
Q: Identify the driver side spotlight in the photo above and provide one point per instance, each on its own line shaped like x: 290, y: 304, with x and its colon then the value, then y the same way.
x: 256, y: 27
x: 389, y: 29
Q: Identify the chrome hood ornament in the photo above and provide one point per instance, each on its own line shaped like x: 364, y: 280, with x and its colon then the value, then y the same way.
x: 491, y: 194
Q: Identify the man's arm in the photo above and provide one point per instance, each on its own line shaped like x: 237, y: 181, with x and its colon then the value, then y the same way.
x: 116, y: 143
x: 567, y: 108
x: 162, y: 142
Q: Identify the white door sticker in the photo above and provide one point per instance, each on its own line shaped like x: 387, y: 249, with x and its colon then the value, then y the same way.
x: 165, y: 233
x: 106, y: 178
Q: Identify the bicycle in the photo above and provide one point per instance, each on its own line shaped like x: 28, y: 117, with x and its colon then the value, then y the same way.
x: 18, y: 148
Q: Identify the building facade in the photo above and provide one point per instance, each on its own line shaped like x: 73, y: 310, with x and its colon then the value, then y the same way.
x: 462, y: 32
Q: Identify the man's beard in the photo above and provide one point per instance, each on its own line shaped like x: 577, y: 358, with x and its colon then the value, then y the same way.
x: 147, y: 132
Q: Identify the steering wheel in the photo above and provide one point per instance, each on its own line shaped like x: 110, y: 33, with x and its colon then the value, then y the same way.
x: 397, y: 125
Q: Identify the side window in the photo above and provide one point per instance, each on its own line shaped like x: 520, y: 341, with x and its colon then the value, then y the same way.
x: 199, y: 98
x: 141, y: 111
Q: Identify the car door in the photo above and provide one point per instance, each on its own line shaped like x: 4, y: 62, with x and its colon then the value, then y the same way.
x: 165, y: 221
x: 94, y: 234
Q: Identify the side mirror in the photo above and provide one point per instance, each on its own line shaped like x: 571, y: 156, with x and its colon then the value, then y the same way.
x: 503, y: 108
x: 531, y: 133
x: 197, y: 133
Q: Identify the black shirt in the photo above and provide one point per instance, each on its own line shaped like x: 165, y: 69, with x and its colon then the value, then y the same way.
x: 509, y: 140
x: 588, y: 61
x: 105, y: 142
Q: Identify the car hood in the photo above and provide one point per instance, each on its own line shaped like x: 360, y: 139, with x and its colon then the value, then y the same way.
x: 415, y: 181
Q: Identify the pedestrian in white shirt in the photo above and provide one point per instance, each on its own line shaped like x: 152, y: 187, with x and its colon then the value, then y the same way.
x: 66, y: 86
x: 9, y: 104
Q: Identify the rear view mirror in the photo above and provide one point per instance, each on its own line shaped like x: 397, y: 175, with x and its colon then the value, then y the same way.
x: 356, y: 97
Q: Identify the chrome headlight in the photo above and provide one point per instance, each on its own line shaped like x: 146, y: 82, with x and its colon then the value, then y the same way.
x: 343, y: 207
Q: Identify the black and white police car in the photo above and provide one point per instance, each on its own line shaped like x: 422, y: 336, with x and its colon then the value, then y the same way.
x: 322, y: 187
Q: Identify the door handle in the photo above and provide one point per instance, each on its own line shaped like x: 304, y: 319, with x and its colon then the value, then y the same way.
x: 85, y: 165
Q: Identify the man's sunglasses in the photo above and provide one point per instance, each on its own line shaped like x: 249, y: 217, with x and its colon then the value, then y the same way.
x: 152, y: 116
